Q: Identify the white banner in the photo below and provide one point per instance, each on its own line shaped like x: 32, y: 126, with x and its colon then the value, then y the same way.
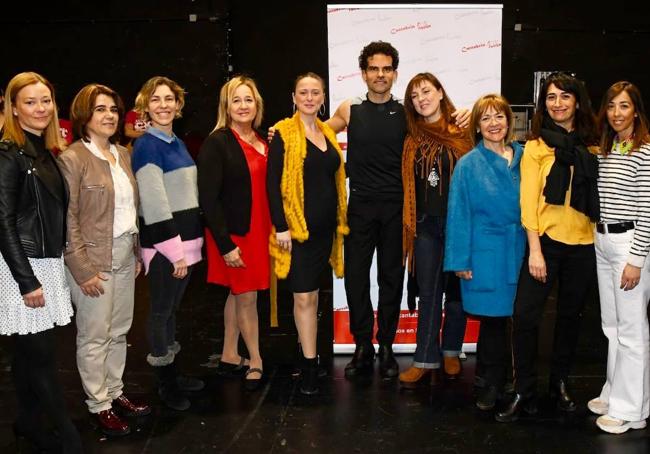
x: 459, y: 44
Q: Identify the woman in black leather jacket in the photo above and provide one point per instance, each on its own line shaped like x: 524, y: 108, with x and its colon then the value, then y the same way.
x: 35, y: 296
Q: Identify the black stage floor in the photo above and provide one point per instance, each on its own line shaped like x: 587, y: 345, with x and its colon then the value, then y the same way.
x: 355, y: 417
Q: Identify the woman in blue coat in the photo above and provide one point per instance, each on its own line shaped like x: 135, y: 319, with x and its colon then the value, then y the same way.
x: 485, y: 241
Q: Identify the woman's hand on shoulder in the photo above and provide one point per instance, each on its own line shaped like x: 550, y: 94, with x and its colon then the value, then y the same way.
x: 269, y: 134
x: 34, y: 298
x: 466, y: 275
x: 284, y: 240
x: 461, y: 116
x: 233, y: 259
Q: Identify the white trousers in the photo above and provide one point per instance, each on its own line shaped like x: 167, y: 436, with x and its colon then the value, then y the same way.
x: 102, y: 325
x: 624, y: 317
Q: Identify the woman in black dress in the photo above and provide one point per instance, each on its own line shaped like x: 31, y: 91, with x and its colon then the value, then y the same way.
x: 307, y: 197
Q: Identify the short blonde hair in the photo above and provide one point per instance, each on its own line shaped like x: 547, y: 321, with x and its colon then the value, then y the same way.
x: 12, y: 129
x: 499, y: 104
x: 226, y: 94
x: 147, y: 90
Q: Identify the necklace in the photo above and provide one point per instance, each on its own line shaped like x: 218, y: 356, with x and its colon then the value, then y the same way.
x: 622, y: 147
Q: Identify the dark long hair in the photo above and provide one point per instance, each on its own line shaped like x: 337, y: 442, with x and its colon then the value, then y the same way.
x: 584, y: 122
x: 641, y: 134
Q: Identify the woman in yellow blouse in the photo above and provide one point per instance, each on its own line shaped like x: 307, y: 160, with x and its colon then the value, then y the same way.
x: 559, y: 203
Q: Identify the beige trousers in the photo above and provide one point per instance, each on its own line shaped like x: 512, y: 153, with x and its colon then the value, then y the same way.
x: 102, y: 325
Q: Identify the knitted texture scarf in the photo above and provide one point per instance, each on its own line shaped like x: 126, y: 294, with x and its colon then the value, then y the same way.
x: 570, y: 150
x: 431, y: 139
x: 292, y: 132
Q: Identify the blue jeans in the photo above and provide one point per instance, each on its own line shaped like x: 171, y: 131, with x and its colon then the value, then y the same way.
x: 432, y: 283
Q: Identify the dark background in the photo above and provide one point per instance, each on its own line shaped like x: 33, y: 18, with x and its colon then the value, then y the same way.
x: 122, y: 44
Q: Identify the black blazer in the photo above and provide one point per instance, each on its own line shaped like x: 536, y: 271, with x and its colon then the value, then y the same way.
x: 33, y: 206
x: 224, y: 188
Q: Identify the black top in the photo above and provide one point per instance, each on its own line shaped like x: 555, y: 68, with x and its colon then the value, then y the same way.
x: 319, y: 179
x: 376, y: 135
x: 432, y: 198
x: 224, y: 183
x: 33, y: 205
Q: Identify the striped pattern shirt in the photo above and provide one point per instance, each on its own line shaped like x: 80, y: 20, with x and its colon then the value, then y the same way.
x: 170, y: 221
x: 624, y: 188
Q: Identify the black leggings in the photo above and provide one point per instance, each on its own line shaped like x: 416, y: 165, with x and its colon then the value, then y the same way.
x: 38, y: 389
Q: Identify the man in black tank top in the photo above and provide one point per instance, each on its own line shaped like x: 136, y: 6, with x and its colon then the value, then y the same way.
x: 376, y: 131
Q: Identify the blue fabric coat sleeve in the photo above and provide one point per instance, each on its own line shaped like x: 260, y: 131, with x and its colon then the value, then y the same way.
x: 458, y: 236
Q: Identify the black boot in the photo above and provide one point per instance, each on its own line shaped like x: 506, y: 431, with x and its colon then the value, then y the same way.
x: 168, y: 389
x: 487, y: 398
x: 388, y: 367
x: 558, y: 391
x: 519, y: 403
x: 362, y: 361
x: 309, y: 382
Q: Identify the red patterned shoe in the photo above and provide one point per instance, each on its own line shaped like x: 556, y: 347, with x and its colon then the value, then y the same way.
x: 128, y: 408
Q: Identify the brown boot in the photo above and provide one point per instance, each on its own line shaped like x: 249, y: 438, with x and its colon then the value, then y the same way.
x: 413, y: 376
x: 452, y: 367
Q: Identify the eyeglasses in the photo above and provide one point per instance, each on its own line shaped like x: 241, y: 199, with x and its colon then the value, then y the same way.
x: 377, y: 69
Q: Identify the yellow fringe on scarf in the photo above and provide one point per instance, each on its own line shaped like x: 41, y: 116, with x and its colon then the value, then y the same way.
x: 292, y: 132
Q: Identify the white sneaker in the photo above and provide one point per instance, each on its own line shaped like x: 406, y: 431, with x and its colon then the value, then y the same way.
x: 597, y: 406
x: 618, y: 426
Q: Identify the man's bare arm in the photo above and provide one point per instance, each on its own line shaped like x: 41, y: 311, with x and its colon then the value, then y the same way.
x: 341, y: 117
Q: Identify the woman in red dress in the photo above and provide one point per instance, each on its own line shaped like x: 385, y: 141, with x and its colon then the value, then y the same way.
x: 232, y: 194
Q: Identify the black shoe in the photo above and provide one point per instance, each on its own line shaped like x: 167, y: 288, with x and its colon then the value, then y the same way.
x: 515, y: 407
x: 558, y: 391
x: 309, y: 381
x: 388, y: 367
x: 362, y: 361
x: 231, y: 370
x: 487, y: 398
x: 168, y: 389
x: 253, y: 384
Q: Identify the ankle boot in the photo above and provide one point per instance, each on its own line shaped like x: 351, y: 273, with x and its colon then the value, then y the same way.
x: 168, y: 390
x: 309, y: 383
x: 362, y: 361
x: 388, y: 367
x: 412, y: 377
x: 559, y: 392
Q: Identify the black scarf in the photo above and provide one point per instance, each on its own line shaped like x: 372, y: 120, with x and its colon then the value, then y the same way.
x: 570, y: 150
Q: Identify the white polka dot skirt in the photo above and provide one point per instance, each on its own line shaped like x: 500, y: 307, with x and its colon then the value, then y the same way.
x: 16, y: 318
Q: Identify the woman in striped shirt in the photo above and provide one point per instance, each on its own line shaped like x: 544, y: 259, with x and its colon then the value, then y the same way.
x: 622, y: 242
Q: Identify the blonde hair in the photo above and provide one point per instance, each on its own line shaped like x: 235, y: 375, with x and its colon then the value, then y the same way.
x: 12, y: 129
x: 147, y: 90
x: 499, y: 104
x: 226, y: 94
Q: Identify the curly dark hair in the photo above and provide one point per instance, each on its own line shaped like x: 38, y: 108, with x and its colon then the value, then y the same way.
x: 378, y: 47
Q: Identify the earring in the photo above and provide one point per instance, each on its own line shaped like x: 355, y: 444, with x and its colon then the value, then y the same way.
x: 321, y: 110
x: 294, y: 107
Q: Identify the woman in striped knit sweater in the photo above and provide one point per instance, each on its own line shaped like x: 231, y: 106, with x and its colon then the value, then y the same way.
x: 622, y: 242
x: 171, y: 233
